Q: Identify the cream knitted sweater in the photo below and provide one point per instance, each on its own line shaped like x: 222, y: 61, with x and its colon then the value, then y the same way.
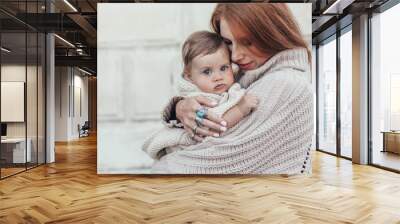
x: 168, y: 140
x: 274, y: 139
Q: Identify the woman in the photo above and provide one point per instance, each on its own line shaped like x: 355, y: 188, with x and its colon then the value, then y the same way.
x: 267, y: 45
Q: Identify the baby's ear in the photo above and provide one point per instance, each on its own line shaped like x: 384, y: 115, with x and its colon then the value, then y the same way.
x: 187, y: 76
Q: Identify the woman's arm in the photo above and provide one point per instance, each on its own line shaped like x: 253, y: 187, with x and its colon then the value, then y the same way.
x: 240, y: 110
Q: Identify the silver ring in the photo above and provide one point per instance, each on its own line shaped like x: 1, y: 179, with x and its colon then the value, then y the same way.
x: 199, y: 121
x: 195, y: 130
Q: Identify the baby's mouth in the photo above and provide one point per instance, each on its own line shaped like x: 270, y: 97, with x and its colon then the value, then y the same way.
x: 219, y: 87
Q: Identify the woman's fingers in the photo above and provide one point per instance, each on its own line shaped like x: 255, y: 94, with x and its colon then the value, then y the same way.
x: 210, y: 120
x: 210, y: 125
x: 201, y: 131
x: 204, y: 132
x: 216, y: 120
x: 213, y: 126
x: 198, y: 138
x: 205, y: 102
x: 195, y: 137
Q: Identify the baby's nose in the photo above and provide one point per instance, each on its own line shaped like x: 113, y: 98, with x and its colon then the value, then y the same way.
x: 218, y: 75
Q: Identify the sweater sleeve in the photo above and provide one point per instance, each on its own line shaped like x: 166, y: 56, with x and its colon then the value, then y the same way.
x: 166, y: 137
x: 274, y: 139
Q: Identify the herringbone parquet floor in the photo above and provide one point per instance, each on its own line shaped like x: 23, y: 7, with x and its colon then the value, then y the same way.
x: 70, y: 191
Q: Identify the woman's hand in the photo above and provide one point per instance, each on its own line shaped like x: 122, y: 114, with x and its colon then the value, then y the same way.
x: 211, y: 125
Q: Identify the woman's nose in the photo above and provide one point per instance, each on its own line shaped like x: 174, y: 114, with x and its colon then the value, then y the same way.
x: 237, y: 54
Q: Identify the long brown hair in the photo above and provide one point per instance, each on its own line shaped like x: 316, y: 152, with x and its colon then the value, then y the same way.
x: 270, y: 26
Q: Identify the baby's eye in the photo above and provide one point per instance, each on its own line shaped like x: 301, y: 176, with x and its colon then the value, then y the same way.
x: 206, y: 71
x: 224, y: 67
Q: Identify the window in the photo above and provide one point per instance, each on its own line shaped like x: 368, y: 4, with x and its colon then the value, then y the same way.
x: 346, y: 94
x: 385, y: 88
x: 327, y: 97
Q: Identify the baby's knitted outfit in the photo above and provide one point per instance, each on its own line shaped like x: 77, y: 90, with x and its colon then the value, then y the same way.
x: 168, y: 140
x: 274, y: 139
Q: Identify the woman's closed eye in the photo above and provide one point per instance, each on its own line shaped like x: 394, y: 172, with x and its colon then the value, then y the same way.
x: 227, y: 41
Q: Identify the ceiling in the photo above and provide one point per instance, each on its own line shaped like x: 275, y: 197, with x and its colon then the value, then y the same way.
x: 76, y: 22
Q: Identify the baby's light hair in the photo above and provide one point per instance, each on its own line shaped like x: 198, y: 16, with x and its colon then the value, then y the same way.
x: 200, y: 43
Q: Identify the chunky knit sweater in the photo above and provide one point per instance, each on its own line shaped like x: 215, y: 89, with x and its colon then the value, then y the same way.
x: 274, y: 139
x: 168, y: 140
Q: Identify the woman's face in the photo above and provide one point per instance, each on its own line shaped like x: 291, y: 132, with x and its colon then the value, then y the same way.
x: 244, y: 53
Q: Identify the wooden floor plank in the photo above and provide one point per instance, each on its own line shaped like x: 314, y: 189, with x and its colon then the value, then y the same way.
x: 70, y: 191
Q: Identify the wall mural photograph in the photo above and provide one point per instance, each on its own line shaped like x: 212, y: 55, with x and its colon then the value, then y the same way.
x: 223, y: 89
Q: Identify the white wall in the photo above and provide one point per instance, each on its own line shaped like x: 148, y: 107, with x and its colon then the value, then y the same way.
x: 61, y: 103
x: 68, y: 82
x: 80, y: 84
x: 303, y: 19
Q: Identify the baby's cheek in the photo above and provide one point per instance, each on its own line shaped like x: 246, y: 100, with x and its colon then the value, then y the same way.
x: 231, y: 79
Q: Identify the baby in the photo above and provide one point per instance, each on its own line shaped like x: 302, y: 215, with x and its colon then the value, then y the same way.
x: 207, y: 72
x: 208, y: 67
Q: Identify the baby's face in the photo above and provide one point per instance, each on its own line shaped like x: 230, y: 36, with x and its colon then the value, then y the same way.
x: 212, y: 73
